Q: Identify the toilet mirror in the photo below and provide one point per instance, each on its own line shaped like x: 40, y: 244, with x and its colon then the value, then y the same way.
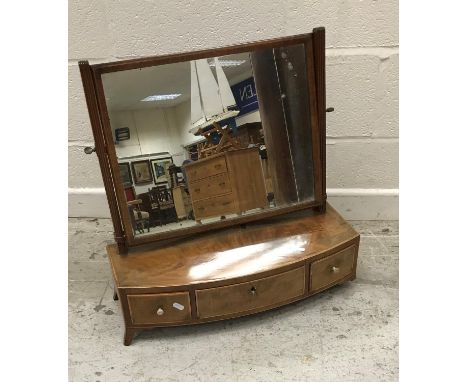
x: 210, y: 139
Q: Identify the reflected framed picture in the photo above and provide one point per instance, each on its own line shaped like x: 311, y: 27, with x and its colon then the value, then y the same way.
x: 125, y: 174
x: 141, y: 172
x: 160, y: 167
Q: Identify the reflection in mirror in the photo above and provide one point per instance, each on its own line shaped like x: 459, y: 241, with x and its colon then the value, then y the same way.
x: 212, y: 139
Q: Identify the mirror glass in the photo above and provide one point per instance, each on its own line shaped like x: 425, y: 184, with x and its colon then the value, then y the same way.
x: 212, y: 139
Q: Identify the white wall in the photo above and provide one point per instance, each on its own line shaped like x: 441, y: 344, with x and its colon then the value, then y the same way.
x: 362, y: 80
x: 151, y: 131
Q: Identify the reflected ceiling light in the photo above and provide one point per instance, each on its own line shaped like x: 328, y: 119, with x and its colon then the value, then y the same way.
x: 228, y: 62
x: 160, y: 97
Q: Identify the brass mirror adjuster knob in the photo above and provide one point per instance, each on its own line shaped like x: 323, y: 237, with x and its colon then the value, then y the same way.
x: 335, y: 269
x: 253, y: 291
x: 160, y: 311
x: 89, y: 150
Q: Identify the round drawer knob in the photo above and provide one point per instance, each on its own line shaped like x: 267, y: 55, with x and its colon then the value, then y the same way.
x: 89, y: 150
x: 160, y: 312
x: 253, y: 291
x: 335, y: 269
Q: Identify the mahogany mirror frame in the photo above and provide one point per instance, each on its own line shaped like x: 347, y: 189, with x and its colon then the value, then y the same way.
x: 314, y: 44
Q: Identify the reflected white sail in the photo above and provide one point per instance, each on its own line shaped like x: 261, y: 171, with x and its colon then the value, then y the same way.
x: 227, y: 98
x: 209, y: 90
x: 210, y: 100
x: 197, y: 114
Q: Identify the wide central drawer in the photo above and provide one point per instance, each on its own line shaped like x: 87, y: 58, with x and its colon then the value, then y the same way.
x: 212, y: 186
x: 257, y: 294
x: 205, y: 168
x: 159, y: 308
x: 215, y: 206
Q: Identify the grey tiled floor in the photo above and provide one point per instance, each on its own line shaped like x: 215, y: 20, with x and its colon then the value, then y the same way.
x: 349, y: 333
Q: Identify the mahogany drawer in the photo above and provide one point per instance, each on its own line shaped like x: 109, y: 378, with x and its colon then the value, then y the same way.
x: 205, y: 168
x: 159, y: 308
x: 248, y: 296
x: 331, y: 269
x: 212, y: 186
x: 215, y: 206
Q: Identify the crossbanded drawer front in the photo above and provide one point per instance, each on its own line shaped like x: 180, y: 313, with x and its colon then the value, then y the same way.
x: 212, y: 186
x: 160, y: 308
x: 331, y: 269
x: 205, y: 168
x: 215, y: 206
x: 257, y: 294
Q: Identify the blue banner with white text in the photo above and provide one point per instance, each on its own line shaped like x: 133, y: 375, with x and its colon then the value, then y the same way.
x: 245, y: 95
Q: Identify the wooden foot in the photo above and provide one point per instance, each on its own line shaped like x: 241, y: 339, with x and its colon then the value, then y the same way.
x: 129, y: 336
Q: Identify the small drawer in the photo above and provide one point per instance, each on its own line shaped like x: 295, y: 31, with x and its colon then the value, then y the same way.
x: 261, y: 293
x: 212, y: 186
x: 159, y: 308
x: 331, y: 269
x: 205, y: 168
x: 215, y: 206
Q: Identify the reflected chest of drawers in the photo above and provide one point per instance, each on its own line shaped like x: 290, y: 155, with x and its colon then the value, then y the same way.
x: 227, y: 183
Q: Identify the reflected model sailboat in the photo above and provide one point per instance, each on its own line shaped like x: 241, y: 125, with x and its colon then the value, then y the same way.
x: 211, y: 101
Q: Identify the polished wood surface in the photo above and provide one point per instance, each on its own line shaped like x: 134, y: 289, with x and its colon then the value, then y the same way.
x: 159, y: 308
x: 318, y: 42
x: 102, y: 153
x: 235, y: 272
x: 333, y: 268
x: 233, y: 253
x: 143, y: 62
x: 244, y: 297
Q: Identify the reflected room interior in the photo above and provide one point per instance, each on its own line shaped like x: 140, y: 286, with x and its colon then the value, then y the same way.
x: 212, y: 139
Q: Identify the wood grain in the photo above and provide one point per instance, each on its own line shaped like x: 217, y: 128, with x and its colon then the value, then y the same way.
x: 144, y: 307
x: 318, y: 36
x: 101, y: 152
x: 280, y: 258
x: 251, y: 295
x: 144, y: 62
x: 330, y: 270
x: 232, y: 254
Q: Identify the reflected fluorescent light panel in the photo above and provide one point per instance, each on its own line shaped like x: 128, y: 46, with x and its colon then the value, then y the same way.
x: 160, y: 97
x: 227, y: 63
